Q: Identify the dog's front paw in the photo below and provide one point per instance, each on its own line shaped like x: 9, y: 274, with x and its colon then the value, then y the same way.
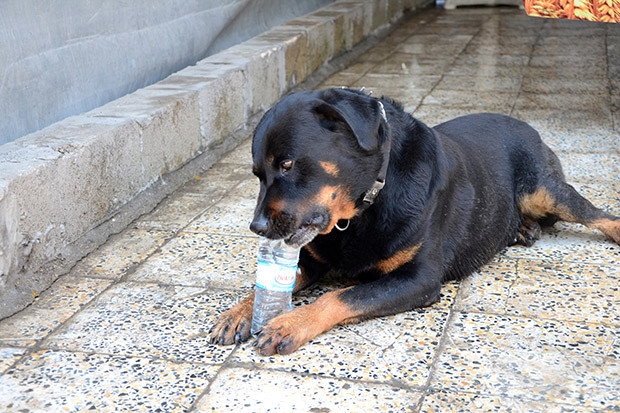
x: 277, y: 340
x: 233, y: 326
x: 283, y: 334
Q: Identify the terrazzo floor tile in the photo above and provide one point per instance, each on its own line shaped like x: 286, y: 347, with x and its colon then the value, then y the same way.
x: 357, y: 69
x: 616, y: 118
x: 204, y: 260
x: 376, y: 54
x: 569, y: 75
x: 396, y: 349
x: 490, y: 70
x: 53, y: 381
x: 534, y: 84
x: 9, y: 356
x: 566, y: 291
x: 571, y: 124
x: 501, y: 102
x: 140, y: 320
x: 53, y: 307
x: 478, y: 60
x: 493, y: 47
x: 410, y: 64
x: 579, y: 167
x: 570, y: 45
x: 178, y: 210
x: 340, y: 80
x: 435, y: 114
x: 538, y: 360
x: 261, y: 391
x: 121, y: 253
x: 241, y: 155
x: 576, y: 131
x: 199, y: 194
x: 592, y: 102
x: 544, y: 289
x: 447, y: 402
x: 231, y: 216
x: 221, y: 176
x: 398, y: 87
x: 603, y: 194
x: 430, y: 44
x: 487, y: 289
x: 481, y: 83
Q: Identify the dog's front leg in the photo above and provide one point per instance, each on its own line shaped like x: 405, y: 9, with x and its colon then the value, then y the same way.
x: 233, y: 325
x: 410, y: 286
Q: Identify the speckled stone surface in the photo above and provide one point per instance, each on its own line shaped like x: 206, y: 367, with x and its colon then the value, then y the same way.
x: 121, y: 253
x: 244, y: 390
x: 53, y: 381
x: 50, y: 310
x: 134, y: 319
x: 535, y: 330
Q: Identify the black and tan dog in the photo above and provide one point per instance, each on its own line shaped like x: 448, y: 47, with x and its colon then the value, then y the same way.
x: 370, y: 191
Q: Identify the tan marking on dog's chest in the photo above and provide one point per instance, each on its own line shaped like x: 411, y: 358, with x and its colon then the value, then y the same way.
x: 397, y: 260
x: 314, y: 254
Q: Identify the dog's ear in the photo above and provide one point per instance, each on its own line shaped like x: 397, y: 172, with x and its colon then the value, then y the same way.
x: 362, y: 115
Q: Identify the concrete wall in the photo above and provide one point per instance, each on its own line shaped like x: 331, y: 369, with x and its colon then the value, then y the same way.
x: 67, y: 187
x: 60, y: 58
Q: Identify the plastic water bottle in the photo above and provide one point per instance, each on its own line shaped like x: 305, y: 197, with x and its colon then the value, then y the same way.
x: 275, y: 278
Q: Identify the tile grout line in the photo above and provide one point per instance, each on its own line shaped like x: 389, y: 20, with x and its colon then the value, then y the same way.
x: 427, y: 388
x: 527, y: 65
x: 447, y: 66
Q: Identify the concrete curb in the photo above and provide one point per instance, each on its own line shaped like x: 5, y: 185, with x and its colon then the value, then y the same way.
x: 66, y: 188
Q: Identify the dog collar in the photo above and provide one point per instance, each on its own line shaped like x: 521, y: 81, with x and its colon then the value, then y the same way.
x: 377, y: 186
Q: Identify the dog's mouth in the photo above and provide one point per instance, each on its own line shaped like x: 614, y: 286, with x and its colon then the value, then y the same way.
x: 302, y: 237
x: 306, y: 232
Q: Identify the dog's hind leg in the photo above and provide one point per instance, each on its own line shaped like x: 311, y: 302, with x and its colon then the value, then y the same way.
x: 561, y: 201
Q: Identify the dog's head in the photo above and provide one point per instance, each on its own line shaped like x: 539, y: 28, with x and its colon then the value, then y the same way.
x: 315, y: 154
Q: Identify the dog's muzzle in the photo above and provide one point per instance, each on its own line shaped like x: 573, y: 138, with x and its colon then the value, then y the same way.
x: 285, y: 226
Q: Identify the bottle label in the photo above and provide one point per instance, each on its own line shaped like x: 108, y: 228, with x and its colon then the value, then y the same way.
x: 274, y: 277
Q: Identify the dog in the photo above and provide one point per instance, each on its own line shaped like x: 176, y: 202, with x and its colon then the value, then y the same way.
x: 394, y: 205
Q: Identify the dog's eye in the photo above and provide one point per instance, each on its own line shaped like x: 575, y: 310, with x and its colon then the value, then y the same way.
x: 286, y: 165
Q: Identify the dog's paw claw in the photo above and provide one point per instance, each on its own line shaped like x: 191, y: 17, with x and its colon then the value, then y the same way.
x: 232, y: 327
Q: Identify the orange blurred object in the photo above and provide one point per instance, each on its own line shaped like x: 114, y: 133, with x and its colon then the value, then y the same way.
x: 595, y: 10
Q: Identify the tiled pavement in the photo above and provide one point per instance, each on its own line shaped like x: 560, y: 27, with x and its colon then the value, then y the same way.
x: 536, y: 330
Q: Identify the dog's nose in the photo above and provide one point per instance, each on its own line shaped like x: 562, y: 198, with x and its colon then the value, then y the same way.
x: 259, y: 225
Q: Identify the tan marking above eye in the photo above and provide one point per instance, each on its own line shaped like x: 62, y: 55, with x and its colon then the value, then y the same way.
x: 330, y: 168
